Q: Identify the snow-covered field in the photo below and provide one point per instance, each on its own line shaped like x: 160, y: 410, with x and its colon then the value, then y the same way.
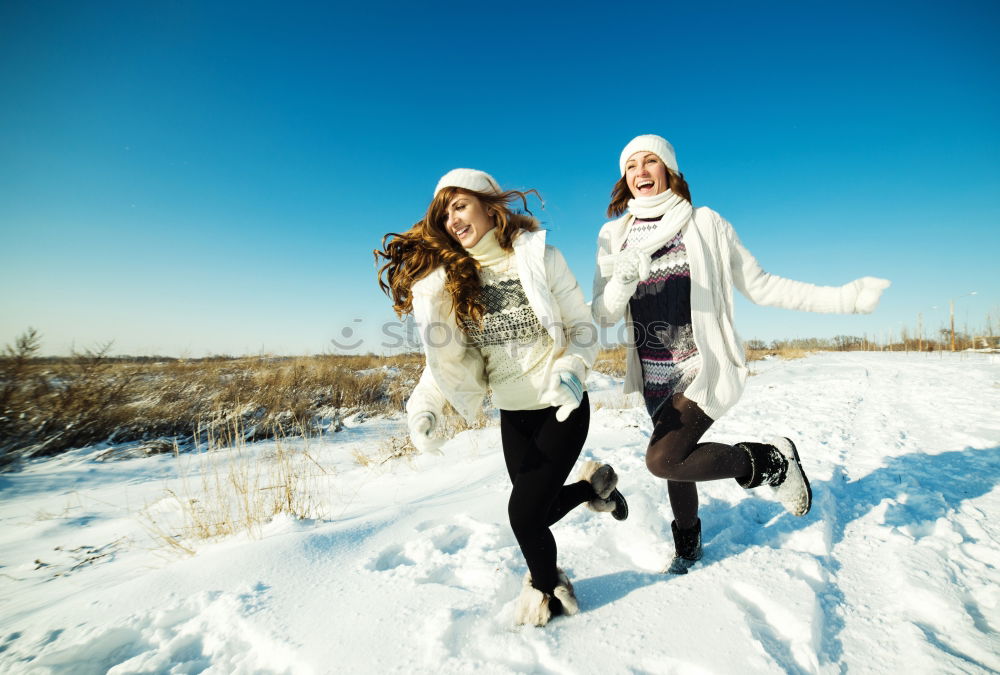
x: 411, y: 566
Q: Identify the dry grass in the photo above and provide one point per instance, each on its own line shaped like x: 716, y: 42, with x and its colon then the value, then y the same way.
x: 400, y: 446
x: 389, y: 448
x: 611, y: 361
x: 48, y: 406
x: 781, y: 351
x: 617, y: 401
x: 236, y: 491
x: 455, y: 424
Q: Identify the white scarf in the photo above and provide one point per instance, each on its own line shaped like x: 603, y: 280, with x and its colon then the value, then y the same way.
x: 674, y: 212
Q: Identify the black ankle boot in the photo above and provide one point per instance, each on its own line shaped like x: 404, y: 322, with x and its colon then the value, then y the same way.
x: 777, y: 465
x: 767, y: 465
x: 687, y: 548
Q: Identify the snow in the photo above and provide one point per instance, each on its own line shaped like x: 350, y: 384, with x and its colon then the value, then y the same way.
x: 410, y: 566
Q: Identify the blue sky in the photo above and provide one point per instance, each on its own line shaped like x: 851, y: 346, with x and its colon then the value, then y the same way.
x: 192, y: 178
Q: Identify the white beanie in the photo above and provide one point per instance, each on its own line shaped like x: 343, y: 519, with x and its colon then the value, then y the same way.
x: 468, y: 179
x: 650, y: 143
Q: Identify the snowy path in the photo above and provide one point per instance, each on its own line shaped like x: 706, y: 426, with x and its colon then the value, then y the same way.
x: 413, y: 568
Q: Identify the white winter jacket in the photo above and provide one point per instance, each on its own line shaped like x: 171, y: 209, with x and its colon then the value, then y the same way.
x: 718, y: 261
x: 455, y: 371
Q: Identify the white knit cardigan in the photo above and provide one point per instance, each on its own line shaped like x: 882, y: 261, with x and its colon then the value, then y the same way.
x: 455, y: 370
x: 718, y: 261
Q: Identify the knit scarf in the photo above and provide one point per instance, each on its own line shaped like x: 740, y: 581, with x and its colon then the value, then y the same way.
x: 674, y: 213
x: 672, y: 210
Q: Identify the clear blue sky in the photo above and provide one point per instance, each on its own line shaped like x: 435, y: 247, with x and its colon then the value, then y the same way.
x: 197, y: 178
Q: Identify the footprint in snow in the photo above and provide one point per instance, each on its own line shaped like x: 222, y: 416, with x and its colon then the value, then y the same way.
x: 448, y: 539
x: 389, y: 559
x: 434, y: 544
x: 464, y: 554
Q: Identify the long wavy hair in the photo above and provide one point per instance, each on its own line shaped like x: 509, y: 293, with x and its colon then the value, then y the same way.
x: 620, y: 194
x: 410, y: 256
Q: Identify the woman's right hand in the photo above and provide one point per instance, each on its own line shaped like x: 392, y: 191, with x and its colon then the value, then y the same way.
x: 421, y: 427
x: 611, y: 295
x: 631, y: 266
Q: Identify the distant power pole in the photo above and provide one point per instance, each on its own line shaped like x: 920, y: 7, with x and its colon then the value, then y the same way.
x: 951, y: 307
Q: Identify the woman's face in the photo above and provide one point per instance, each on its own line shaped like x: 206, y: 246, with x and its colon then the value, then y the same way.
x: 645, y: 174
x: 467, y: 220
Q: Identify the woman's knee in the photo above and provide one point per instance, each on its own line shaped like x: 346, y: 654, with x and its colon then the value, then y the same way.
x: 663, y: 460
x: 523, y: 518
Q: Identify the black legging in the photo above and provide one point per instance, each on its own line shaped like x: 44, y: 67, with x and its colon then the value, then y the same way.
x: 540, y: 452
x: 674, y: 453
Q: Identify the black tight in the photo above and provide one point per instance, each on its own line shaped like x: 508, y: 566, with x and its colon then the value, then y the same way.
x: 675, y: 454
x: 540, y: 453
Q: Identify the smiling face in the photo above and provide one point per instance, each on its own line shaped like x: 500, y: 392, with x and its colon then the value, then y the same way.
x: 645, y: 174
x: 467, y: 219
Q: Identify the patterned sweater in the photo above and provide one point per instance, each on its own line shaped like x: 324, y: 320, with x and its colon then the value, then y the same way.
x: 661, y: 312
x: 515, y: 346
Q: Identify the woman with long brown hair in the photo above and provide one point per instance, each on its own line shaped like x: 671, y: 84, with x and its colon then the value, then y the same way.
x: 669, y: 270
x: 498, y: 310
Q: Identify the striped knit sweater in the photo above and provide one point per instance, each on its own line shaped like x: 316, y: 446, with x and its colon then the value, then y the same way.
x: 661, y: 312
x: 719, y: 263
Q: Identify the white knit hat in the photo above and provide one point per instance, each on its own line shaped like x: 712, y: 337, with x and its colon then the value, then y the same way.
x: 468, y: 179
x: 650, y: 143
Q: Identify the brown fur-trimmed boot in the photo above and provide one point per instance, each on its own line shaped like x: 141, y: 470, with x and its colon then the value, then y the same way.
x: 604, y: 480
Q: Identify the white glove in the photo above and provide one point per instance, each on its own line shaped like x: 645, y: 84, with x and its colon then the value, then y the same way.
x: 632, y: 266
x: 565, y: 392
x: 869, y: 291
x: 421, y: 427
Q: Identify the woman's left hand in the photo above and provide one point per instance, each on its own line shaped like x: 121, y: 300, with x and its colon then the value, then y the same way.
x: 869, y: 292
x: 564, y: 392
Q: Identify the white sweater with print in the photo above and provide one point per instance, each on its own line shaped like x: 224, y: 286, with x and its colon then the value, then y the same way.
x: 457, y: 371
x: 515, y: 346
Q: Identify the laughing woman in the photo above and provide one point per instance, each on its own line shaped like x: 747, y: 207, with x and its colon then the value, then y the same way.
x: 669, y: 270
x: 500, y: 311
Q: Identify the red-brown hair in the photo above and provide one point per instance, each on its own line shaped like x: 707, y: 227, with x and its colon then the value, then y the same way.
x: 620, y: 194
x: 412, y: 255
